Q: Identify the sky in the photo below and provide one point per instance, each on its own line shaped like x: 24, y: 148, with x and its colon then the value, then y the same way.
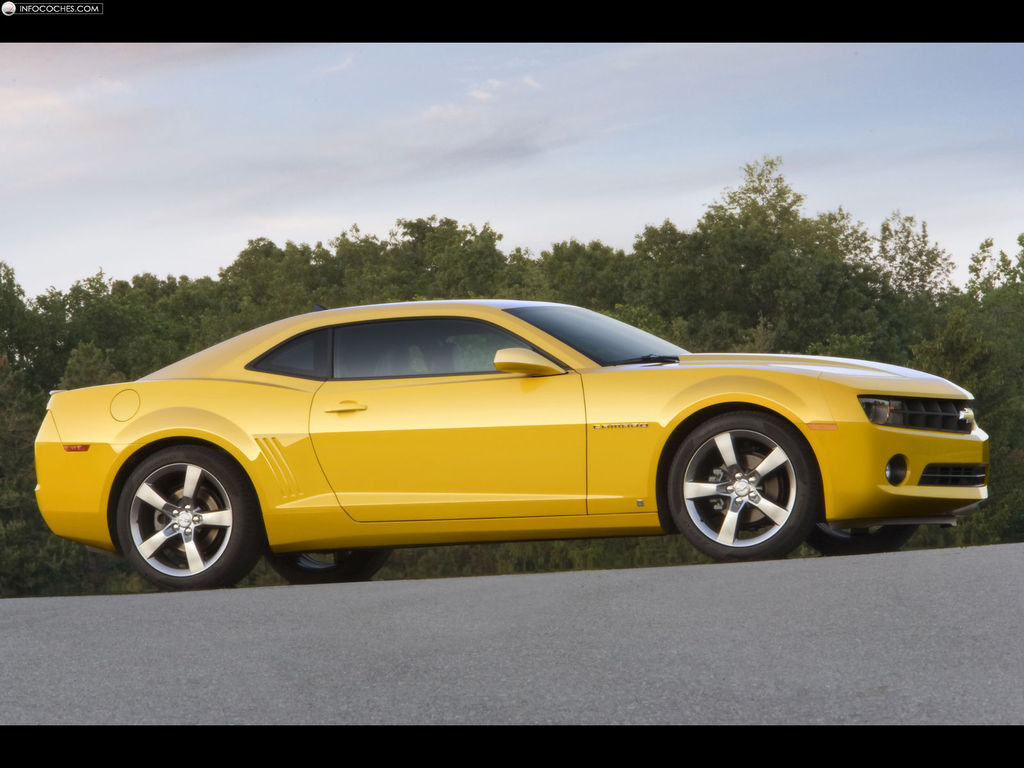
x: 168, y: 158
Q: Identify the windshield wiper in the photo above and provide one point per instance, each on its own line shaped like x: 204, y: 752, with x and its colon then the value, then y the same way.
x: 647, y: 359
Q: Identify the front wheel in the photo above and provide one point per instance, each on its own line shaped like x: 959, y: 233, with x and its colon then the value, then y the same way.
x: 859, y: 541
x: 328, y: 567
x: 744, y: 486
x: 188, y: 519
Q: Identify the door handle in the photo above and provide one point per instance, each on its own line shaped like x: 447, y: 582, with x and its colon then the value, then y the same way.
x: 347, y: 406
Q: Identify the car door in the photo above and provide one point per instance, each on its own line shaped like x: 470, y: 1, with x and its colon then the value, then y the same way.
x: 417, y: 424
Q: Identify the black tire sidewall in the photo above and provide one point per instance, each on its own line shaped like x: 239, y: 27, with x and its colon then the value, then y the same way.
x: 354, y: 565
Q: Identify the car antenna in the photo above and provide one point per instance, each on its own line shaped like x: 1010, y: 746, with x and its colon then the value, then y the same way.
x: 319, y: 308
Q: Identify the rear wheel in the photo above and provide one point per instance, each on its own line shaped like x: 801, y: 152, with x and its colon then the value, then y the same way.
x: 328, y: 567
x: 859, y: 541
x: 188, y: 519
x: 744, y: 486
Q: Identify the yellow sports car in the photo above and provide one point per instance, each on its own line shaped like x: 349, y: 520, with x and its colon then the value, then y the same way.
x: 325, y: 439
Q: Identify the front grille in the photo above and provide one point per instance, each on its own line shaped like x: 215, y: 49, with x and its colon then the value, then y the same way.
x: 919, y: 412
x: 954, y: 474
x: 932, y: 413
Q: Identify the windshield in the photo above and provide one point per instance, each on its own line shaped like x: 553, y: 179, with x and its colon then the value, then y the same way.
x: 599, y: 337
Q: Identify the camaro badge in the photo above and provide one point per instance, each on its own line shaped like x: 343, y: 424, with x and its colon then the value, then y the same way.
x: 643, y: 424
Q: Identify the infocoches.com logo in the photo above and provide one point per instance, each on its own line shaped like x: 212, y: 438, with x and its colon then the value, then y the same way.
x: 11, y: 7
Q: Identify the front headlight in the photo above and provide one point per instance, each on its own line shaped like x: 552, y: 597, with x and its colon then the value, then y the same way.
x: 883, y: 410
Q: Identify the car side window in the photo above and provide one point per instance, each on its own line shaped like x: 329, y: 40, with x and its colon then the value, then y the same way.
x: 306, y: 356
x: 428, y: 346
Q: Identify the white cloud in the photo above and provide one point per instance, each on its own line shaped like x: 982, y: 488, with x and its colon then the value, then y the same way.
x: 21, y: 105
x: 443, y: 113
x: 341, y: 66
x: 107, y: 85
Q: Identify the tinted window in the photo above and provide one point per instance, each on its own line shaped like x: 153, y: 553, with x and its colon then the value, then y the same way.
x: 305, y: 356
x: 433, y: 346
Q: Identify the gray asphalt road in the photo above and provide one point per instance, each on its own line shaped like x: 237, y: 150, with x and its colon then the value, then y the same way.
x: 914, y: 637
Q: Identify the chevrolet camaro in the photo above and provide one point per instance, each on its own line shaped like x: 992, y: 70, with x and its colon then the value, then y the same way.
x: 324, y: 440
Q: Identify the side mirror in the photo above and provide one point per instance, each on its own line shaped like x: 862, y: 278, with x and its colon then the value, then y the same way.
x: 521, y: 360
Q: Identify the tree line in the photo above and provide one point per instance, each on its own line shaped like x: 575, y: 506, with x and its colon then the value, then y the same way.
x: 755, y: 273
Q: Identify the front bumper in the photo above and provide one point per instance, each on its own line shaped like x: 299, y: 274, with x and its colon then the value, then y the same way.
x: 853, y: 458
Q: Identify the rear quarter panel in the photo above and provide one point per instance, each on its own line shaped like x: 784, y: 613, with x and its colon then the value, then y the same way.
x: 263, y: 427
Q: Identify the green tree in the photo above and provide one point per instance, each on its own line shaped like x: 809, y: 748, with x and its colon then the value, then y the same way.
x: 755, y: 263
x: 910, y: 263
x: 592, y: 275
x: 454, y: 261
x: 14, y: 318
x: 21, y: 410
x: 989, y: 272
x: 660, y: 269
x: 265, y: 283
x: 89, y: 366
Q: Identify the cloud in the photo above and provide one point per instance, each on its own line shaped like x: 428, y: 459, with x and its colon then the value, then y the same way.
x: 66, y: 66
x: 443, y: 113
x: 341, y: 66
x: 21, y: 105
x: 487, y: 90
x: 107, y: 85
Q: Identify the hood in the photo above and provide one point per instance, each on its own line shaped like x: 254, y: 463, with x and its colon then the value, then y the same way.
x: 866, y: 376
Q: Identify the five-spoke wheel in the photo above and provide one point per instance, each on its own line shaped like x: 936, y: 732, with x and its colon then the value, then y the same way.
x: 328, y: 567
x: 744, y: 486
x: 188, y: 520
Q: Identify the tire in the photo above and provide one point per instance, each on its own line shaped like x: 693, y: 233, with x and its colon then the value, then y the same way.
x: 860, y: 541
x: 222, y: 536
x: 328, y: 567
x: 744, y: 486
